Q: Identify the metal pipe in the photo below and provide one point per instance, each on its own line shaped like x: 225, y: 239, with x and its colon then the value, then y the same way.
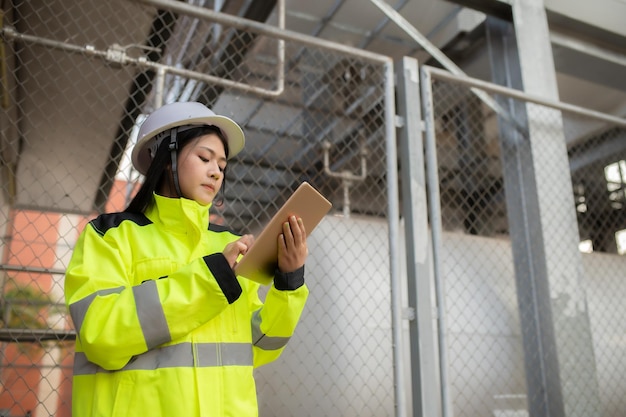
x: 117, y: 56
x: 264, y: 29
x: 159, y: 87
x: 16, y: 268
x: 520, y: 95
x: 10, y: 33
x: 280, y: 68
x: 36, y: 335
x: 347, y: 177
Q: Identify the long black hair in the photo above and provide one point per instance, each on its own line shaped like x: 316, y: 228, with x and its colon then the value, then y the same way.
x: 158, y: 171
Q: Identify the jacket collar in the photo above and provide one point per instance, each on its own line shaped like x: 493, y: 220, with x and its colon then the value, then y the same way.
x: 179, y: 214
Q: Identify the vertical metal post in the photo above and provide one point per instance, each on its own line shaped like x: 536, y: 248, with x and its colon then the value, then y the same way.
x: 434, y: 209
x: 424, y: 375
x: 393, y: 216
x: 159, y: 87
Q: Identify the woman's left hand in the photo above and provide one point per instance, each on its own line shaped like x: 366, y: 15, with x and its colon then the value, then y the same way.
x: 292, y: 248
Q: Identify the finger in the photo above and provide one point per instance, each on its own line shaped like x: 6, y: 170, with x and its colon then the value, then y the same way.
x: 299, y: 232
x: 294, y: 227
x: 247, y: 239
x: 288, y: 234
x: 282, y: 245
x: 242, y: 247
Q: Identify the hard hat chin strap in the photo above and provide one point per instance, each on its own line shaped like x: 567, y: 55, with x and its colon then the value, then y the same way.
x: 173, y: 147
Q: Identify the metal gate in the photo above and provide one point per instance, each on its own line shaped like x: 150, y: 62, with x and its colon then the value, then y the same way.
x: 526, y: 203
x: 78, y: 78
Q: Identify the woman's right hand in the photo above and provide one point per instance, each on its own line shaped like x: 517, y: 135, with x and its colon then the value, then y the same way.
x: 239, y: 247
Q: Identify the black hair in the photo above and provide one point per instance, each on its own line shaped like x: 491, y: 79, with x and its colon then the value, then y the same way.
x: 158, y: 171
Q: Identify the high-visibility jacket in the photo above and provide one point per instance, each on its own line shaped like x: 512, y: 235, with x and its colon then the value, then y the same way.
x: 164, y: 328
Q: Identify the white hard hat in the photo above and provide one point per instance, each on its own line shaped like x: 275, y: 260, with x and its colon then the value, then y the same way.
x: 182, y: 114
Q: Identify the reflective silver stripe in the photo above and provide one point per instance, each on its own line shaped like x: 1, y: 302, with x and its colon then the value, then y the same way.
x: 257, y: 334
x: 78, y: 310
x: 272, y: 343
x: 223, y: 354
x: 151, y: 315
x: 263, y: 341
x: 83, y: 367
x: 177, y: 356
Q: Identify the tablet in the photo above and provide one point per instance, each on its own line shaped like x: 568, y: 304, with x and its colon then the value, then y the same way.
x: 259, y: 263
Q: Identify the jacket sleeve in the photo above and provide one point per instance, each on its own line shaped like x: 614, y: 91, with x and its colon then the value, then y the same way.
x: 115, y: 320
x: 275, y: 320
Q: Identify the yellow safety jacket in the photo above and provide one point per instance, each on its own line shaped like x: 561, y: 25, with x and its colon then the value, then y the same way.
x: 164, y: 328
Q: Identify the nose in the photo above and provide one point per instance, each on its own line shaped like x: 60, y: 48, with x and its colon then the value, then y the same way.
x: 213, y: 170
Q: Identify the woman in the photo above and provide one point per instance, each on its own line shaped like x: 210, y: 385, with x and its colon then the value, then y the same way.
x: 164, y: 327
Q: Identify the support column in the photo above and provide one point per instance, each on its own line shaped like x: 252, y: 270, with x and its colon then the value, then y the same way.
x: 425, y: 381
x: 559, y: 357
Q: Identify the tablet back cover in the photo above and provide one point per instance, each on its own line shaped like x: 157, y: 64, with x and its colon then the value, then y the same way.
x: 259, y: 263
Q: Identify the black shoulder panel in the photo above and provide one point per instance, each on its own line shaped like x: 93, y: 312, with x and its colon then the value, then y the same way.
x: 219, y: 228
x: 107, y: 221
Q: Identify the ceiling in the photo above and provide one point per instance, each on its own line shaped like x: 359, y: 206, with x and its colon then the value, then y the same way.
x: 585, y: 60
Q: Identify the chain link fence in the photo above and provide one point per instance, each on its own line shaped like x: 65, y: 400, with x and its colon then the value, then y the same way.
x: 532, y: 219
x: 78, y: 77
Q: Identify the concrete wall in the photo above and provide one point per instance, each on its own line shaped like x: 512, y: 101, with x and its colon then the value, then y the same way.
x: 484, y: 339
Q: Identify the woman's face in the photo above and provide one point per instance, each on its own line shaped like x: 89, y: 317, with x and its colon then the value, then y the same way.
x: 201, y: 167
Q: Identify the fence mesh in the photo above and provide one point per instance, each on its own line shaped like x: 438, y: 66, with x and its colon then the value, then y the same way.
x: 79, y: 79
x: 487, y: 312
